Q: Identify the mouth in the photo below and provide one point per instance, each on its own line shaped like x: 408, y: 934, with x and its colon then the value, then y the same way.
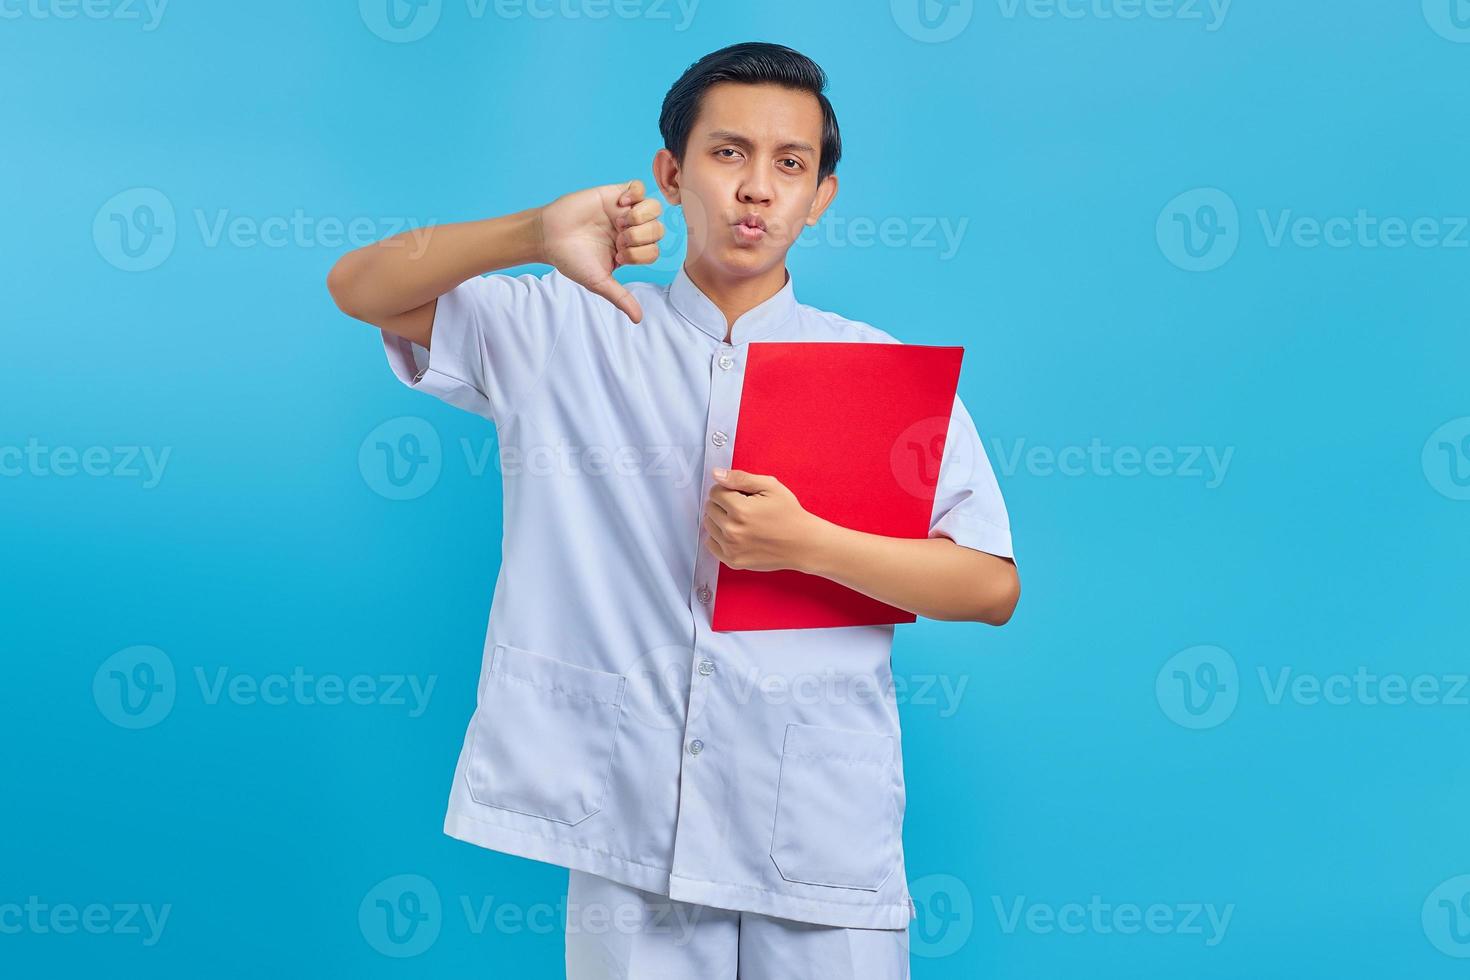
x: 750, y: 228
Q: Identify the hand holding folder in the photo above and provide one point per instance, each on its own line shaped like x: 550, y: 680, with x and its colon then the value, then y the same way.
x: 856, y: 431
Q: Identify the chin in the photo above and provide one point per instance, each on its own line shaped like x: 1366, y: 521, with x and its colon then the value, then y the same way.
x: 737, y: 261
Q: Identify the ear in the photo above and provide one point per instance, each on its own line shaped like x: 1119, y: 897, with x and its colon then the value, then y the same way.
x: 666, y: 175
x: 826, y: 191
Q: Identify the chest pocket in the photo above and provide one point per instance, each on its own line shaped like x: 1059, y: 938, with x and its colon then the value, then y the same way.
x: 543, y: 736
x: 837, y: 815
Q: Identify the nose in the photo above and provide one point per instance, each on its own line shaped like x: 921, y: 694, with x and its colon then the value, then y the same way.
x: 755, y: 188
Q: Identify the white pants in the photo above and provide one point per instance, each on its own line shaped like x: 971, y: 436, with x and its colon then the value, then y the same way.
x: 616, y: 932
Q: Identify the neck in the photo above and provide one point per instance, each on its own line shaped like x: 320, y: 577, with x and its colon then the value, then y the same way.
x: 736, y: 297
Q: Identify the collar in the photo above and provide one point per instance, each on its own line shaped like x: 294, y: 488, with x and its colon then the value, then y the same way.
x: 754, y: 324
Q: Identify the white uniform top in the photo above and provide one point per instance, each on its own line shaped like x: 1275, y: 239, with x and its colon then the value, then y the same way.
x: 615, y: 732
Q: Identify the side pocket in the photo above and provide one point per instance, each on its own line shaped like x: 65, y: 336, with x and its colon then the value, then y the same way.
x: 543, y: 736
x: 837, y: 820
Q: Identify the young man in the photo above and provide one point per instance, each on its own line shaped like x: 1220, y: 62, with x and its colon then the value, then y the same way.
x: 715, y: 813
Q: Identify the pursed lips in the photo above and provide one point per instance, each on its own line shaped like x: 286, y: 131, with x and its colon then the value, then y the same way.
x: 750, y: 228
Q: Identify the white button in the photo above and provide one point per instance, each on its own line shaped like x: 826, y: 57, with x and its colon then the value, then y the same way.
x: 705, y: 594
x: 718, y: 438
x: 696, y: 747
x: 706, y: 667
x: 726, y: 362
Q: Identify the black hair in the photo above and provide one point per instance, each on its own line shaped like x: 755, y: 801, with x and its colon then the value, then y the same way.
x: 751, y: 63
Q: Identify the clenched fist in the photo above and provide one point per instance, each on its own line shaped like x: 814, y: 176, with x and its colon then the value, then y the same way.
x: 587, y: 234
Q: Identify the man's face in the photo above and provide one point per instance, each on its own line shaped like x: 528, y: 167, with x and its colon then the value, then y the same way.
x: 748, y: 183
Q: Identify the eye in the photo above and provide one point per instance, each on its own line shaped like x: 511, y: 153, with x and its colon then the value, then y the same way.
x: 795, y: 164
x: 726, y: 149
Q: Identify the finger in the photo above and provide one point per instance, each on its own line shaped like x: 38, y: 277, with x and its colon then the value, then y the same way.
x: 632, y: 193
x: 612, y: 291
x: 640, y: 213
x: 741, y: 480
x: 713, y: 547
x: 641, y: 234
x: 713, y: 540
x: 716, y: 508
x: 637, y: 255
x: 728, y: 498
x: 734, y: 501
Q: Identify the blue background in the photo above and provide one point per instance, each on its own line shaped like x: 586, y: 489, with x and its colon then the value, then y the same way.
x: 1078, y: 762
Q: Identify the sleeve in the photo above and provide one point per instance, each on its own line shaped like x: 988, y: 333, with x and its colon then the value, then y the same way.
x: 493, y: 339
x: 968, y: 507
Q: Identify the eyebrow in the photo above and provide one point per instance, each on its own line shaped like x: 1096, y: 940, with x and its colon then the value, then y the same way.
x: 730, y: 136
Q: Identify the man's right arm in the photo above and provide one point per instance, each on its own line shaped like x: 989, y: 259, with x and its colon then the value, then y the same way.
x: 395, y: 284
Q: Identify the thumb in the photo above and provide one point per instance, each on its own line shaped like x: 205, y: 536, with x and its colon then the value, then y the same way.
x: 743, y: 481
x: 631, y: 194
x: 612, y: 291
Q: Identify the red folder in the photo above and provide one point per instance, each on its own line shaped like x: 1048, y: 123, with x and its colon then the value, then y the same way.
x: 856, y: 431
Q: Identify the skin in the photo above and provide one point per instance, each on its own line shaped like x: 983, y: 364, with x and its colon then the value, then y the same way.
x: 753, y: 150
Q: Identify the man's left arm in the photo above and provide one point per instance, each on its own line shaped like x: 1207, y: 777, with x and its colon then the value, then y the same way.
x: 754, y: 521
x: 931, y: 577
x: 963, y: 570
